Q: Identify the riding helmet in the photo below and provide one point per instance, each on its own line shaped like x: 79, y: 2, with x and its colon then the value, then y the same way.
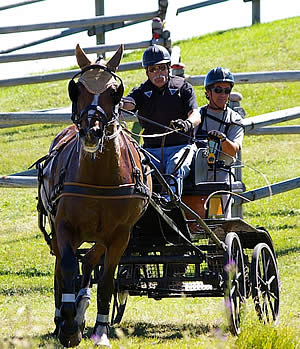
x: 218, y: 74
x: 155, y: 54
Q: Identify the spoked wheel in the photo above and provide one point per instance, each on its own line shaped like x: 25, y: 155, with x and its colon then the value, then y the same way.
x: 119, y: 305
x: 235, y: 285
x: 265, y: 283
x: 119, y: 297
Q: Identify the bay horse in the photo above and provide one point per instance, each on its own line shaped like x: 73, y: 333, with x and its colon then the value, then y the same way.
x: 93, y: 186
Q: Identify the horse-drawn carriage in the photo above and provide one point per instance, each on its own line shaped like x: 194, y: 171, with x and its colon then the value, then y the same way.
x: 97, y: 185
x: 177, y: 250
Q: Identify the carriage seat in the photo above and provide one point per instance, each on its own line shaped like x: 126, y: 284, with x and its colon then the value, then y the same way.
x: 197, y: 188
x: 197, y: 182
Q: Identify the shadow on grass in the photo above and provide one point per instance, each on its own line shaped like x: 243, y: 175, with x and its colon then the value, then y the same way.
x: 42, y: 341
x: 167, y: 331
x: 286, y: 251
x: 140, y: 329
x: 48, y: 340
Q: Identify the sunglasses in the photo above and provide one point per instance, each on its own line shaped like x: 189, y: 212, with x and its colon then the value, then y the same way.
x: 219, y: 90
x: 157, y: 68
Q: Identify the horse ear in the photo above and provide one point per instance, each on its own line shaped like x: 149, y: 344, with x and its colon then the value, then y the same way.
x: 118, y: 94
x: 81, y: 57
x: 115, y: 60
x: 73, y: 91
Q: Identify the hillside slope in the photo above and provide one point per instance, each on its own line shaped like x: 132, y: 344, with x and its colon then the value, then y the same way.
x: 262, y: 47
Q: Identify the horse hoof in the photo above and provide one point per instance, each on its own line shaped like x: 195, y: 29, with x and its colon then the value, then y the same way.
x: 103, y: 341
x: 100, y: 336
x: 57, y: 321
x: 69, y: 337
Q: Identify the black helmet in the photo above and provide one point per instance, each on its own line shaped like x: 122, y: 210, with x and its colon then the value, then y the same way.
x: 218, y: 74
x: 155, y: 54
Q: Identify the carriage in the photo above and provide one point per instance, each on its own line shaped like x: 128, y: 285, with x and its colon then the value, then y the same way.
x: 97, y: 185
x: 187, y: 248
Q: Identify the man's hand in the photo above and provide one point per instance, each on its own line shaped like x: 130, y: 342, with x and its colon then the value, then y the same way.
x: 127, y: 103
x: 181, y: 125
x: 216, y: 135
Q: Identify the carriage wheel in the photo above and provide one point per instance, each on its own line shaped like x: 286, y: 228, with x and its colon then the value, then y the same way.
x: 119, y: 297
x: 265, y: 283
x: 119, y: 305
x: 235, y: 286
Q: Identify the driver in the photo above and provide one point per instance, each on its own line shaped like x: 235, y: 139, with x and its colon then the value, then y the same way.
x: 167, y: 101
x: 221, y: 123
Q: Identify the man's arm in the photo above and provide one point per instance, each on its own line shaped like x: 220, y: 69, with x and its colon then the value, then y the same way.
x: 229, y: 147
x: 194, y: 117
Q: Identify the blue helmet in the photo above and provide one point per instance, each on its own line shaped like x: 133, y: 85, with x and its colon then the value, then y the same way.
x: 155, y: 54
x: 218, y: 74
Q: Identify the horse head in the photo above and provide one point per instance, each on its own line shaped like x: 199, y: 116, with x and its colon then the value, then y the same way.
x: 95, y: 98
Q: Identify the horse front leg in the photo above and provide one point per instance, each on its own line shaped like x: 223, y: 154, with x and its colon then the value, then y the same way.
x: 89, y: 262
x: 106, y: 287
x: 57, y: 297
x: 69, y: 333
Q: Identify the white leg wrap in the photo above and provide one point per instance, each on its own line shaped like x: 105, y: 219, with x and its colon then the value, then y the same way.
x: 81, y: 309
x: 102, y: 318
x: 84, y: 293
x: 68, y: 297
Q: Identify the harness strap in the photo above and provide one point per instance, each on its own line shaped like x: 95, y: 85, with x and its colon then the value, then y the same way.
x: 227, y: 124
x: 124, y: 191
x: 136, y: 173
x: 205, y: 114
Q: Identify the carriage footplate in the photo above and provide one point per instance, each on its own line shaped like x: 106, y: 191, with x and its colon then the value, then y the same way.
x: 168, y: 280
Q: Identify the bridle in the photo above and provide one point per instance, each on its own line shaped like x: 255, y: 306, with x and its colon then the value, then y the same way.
x: 74, y: 93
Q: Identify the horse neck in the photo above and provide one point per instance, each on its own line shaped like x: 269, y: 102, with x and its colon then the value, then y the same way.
x: 110, y: 167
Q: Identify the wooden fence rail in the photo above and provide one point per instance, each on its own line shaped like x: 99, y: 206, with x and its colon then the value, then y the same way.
x: 254, y: 77
x: 88, y: 22
x: 66, y: 75
x: 197, y: 80
x: 22, y: 3
x: 63, y: 116
x: 33, y: 56
x: 198, y: 5
x: 275, y: 117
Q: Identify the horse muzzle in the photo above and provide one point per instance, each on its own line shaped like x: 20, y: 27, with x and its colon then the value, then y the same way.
x: 91, y: 138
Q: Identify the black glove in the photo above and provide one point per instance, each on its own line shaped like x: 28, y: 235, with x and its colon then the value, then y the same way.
x: 182, y: 125
x: 216, y: 135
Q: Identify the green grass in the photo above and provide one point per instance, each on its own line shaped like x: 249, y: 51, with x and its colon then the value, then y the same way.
x: 26, y: 267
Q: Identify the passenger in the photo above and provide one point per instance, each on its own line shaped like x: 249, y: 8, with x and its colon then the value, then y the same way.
x: 167, y: 101
x: 220, y: 122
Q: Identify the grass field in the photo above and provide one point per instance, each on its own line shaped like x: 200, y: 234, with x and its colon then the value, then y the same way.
x: 26, y: 267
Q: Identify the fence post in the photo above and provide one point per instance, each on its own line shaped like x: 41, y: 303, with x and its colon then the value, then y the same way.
x: 162, y: 5
x: 99, y: 8
x: 255, y: 11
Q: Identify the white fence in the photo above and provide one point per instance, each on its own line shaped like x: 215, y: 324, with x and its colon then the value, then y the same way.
x: 254, y: 125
